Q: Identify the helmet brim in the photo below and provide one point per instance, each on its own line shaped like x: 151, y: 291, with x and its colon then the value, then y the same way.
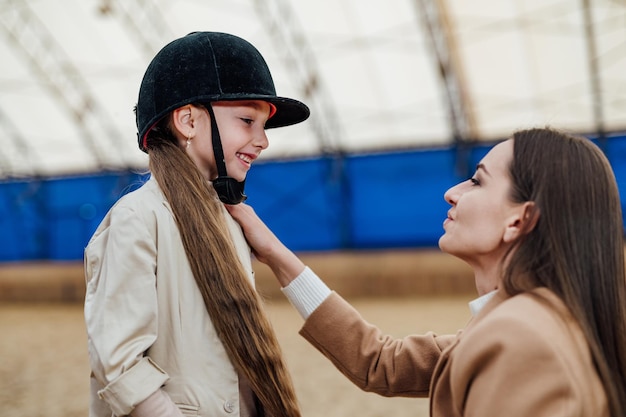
x: 288, y: 111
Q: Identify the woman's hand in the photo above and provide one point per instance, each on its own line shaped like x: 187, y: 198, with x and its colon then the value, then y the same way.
x: 265, y: 245
x: 258, y: 235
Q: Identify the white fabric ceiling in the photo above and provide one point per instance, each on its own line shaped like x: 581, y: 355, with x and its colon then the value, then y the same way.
x: 71, y: 71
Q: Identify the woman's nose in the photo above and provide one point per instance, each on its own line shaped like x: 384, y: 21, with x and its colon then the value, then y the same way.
x: 452, y: 194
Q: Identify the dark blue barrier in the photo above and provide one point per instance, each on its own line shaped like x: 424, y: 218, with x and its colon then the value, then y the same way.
x: 375, y: 201
x: 53, y: 219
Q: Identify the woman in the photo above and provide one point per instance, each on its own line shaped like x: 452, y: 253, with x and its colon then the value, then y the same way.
x: 540, y: 224
x: 174, y: 323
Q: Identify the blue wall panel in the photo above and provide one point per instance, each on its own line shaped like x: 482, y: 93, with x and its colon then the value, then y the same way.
x: 21, y: 221
x: 386, y: 200
x: 616, y: 152
x: 53, y: 219
x: 300, y: 201
x: 397, y: 199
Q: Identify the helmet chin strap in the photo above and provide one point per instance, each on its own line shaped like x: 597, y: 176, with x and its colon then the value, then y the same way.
x: 229, y: 190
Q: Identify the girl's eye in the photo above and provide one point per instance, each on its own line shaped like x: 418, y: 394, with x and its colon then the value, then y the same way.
x: 247, y: 121
x: 474, y: 181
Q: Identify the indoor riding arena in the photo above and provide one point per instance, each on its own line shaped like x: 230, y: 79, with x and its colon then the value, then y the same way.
x: 406, y: 97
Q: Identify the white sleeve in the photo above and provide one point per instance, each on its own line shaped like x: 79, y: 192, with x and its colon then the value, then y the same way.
x: 306, y: 292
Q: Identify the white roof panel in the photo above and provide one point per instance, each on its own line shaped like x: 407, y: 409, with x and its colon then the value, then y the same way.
x: 69, y: 82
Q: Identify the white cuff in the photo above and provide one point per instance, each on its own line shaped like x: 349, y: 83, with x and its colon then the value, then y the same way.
x: 306, y: 292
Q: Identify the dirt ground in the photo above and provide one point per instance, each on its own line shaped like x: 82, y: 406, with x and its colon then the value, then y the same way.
x: 43, y: 354
x: 44, y: 369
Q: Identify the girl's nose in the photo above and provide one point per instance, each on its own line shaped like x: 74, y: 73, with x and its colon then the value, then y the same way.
x: 261, y: 140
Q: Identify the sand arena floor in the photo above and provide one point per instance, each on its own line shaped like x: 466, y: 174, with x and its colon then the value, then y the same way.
x: 43, y: 356
x: 44, y: 370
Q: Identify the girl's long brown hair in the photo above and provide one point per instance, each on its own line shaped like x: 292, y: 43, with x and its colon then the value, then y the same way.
x: 234, y: 306
x: 577, y: 247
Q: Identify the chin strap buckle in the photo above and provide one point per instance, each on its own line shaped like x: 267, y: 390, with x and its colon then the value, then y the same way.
x: 229, y: 190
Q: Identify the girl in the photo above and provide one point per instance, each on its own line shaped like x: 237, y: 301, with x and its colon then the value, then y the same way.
x: 540, y: 223
x: 174, y: 324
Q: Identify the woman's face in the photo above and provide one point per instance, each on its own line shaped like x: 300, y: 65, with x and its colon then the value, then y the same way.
x: 476, y: 229
x: 242, y: 132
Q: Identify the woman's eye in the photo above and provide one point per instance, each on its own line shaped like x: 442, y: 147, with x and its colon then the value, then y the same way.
x: 247, y: 121
x: 474, y: 181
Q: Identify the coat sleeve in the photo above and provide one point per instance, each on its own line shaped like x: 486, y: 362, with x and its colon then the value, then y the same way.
x: 511, y: 368
x: 372, y: 361
x: 121, y: 309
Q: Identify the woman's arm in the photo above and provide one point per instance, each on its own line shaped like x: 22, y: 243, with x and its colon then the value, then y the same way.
x: 300, y: 285
x: 372, y: 361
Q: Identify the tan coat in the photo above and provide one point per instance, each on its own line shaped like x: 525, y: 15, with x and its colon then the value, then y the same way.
x: 522, y: 356
x: 146, y: 320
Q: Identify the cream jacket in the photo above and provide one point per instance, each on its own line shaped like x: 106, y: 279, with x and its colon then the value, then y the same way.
x: 147, y: 325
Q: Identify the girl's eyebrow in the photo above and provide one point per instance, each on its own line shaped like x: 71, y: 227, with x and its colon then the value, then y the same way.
x: 482, y: 166
x: 252, y: 104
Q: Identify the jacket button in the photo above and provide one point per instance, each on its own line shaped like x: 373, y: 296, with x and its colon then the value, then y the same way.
x: 229, y: 407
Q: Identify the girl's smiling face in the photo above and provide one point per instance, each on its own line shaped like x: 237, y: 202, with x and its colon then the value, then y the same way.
x: 242, y: 132
x: 480, y: 224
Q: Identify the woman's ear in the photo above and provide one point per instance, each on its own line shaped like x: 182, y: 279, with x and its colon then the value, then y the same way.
x: 531, y: 216
x: 183, y: 124
x: 521, y: 222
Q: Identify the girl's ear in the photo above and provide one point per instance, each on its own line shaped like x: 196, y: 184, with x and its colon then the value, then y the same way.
x: 183, y: 124
x: 522, y: 221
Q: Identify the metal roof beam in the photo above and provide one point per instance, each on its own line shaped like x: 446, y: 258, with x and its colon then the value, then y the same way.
x: 144, y: 20
x: 17, y: 158
x: 594, y: 72
x: 30, y: 37
x: 438, y: 30
x: 282, y: 24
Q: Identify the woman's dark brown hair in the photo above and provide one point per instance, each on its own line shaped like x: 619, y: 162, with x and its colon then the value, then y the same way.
x: 577, y: 247
x: 233, y: 305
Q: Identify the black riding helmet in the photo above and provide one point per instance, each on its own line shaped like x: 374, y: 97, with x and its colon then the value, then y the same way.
x: 204, y: 67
